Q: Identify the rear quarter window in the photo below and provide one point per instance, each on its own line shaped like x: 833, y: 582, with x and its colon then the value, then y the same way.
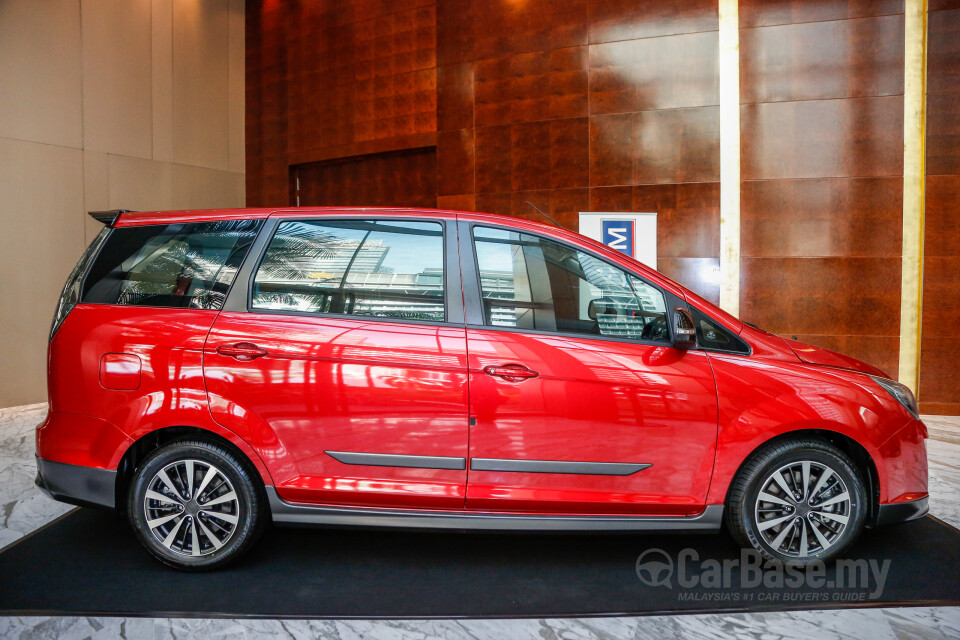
x: 187, y: 265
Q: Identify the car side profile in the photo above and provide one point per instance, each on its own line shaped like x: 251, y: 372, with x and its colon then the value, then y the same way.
x: 211, y: 372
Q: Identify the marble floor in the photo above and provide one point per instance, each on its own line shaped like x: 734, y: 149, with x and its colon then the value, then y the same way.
x: 24, y: 509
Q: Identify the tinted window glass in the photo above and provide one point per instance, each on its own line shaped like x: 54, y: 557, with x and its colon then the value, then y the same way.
x: 364, y: 268
x: 533, y: 283
x: 713, y: 335
x: 175, y: 265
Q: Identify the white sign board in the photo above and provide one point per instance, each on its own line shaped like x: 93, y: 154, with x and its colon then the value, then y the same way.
x: 635, y: 234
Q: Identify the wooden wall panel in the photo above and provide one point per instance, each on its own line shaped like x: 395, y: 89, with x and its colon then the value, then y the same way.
x: 398, y: 179
x: 335, y: 78
x: 266, y: 117
x: 481, y: 29
x: 820, y: 60
x: 858, y: 217
x: 612, y: 20
x: 822, y: 138
x: 654, y: 73
x: 821, y: 91
x: 939, y: 354
x: 760, y: 13
x: 943, y: 133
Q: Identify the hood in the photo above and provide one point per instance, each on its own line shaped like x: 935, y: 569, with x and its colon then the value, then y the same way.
x: 818, y: 355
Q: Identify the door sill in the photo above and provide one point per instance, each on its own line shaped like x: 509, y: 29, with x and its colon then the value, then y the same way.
x: 292, y: 513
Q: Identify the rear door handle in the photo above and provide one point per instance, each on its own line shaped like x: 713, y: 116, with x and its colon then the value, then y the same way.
x: 243, y: 351
x: 511, y: 372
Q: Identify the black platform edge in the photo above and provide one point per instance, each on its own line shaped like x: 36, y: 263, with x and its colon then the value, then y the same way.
x: 212, y: 615
x: 69, y: 613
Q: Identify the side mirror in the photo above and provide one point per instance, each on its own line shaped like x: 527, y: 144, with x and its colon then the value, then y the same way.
x: 684, y: 331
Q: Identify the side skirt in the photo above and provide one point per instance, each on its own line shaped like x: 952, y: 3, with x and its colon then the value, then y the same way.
x: 290, y: 513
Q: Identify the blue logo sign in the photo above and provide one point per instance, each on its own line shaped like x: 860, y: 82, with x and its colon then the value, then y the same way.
x: 620, y: 235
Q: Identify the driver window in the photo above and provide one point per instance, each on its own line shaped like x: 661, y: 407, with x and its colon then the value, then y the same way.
x: 529, y: 282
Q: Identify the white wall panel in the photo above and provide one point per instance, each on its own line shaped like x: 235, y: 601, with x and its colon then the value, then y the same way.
x: 43, y: 235
x: 40, y: 71
x: 117, y: 86
x: 200, y: 83
x: 200, y: 188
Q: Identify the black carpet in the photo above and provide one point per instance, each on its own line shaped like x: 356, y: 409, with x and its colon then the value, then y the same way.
x: 88, y: 563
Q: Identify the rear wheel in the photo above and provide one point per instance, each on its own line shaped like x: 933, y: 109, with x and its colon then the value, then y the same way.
x: 797, y: 502
x: 194, y: 506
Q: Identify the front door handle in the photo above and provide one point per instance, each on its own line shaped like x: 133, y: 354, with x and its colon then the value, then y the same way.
x: 510, y: 372
x: 244, y: 351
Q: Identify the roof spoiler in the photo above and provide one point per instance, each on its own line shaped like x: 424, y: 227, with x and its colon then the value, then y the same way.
x: 108, y: 218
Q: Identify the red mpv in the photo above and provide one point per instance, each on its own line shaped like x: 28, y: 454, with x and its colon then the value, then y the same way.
x: 212, y: 371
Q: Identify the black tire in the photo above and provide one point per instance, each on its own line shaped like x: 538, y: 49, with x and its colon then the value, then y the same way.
x: 225, y: 529
x: 755, y: 523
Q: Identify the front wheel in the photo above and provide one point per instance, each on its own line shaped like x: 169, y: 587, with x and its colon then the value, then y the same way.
x: 797, y: 502
x: 194, y: 506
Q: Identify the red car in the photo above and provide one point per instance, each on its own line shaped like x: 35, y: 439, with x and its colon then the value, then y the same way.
x: 210, y: 372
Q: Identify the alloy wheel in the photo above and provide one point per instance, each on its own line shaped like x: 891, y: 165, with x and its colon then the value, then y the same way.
x: 802, y: 509
x: 191, y: 508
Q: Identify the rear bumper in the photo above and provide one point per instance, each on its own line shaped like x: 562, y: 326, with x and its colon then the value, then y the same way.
x: 73, y: 484
x: 902, y: 511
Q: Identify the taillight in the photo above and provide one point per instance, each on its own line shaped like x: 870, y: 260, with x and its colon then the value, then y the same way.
x: 71, y: 291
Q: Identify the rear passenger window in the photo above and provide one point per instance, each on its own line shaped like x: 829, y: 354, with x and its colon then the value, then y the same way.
x: 364, y: 268
x: 176, y: 265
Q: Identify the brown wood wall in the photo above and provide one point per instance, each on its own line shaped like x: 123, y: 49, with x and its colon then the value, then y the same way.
x: 612, y: 105
x: 821, y: 92
x: 572, y: 105
x: 940, y: 347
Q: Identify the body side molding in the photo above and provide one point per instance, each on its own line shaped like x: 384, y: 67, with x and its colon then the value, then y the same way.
x: 397, y: 460
x: 558, y: 466
x: 290, y: 513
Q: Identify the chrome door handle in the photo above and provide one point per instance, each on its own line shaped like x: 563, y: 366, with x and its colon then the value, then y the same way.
x: 244, y: 351
x: 511, y: 372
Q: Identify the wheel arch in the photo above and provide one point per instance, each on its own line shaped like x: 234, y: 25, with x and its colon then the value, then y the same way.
x: 863, y: 461
x: 153, y: 440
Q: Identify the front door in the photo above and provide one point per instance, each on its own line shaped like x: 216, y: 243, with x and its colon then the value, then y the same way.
x: 348, y: 367
x: 580, y: 401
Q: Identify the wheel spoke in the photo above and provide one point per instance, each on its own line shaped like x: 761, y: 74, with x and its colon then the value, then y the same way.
x: 167, y: 481
x: 822, y: 480
x: 837, y: 517
x: 159, y: 497
x: 769, y: 497
x: 226, y: 517
x: 189, y: 465
x: 227, y: 497
x: 195, y: 543
x: 805, y: 474
x: 213, y: 539
x: 153, y: 524
x: 841, y: 497
x: 769, y: 524
x: 168, y: 541
x: 778, y: 541
x: 211, y: 473
x: 824, y: 543
x: 778, y: 478
x: 804, y: 543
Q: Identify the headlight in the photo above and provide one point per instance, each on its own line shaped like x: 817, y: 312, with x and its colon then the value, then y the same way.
x: 901, y: 394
